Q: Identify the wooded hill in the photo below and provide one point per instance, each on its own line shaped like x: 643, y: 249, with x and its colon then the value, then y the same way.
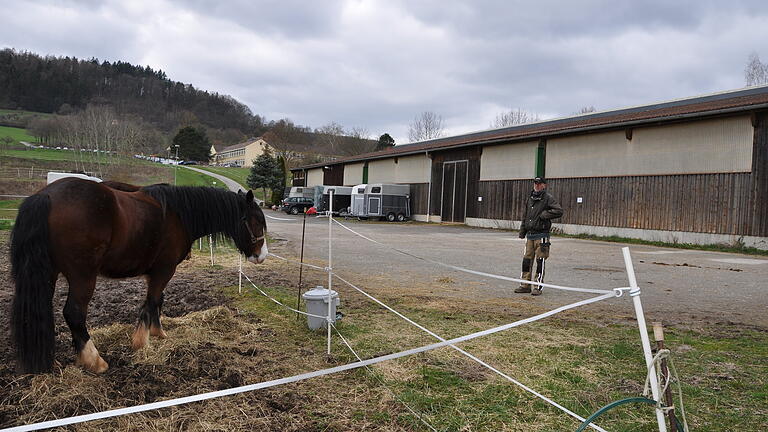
x: 150, y: 102
x: 65, y: 84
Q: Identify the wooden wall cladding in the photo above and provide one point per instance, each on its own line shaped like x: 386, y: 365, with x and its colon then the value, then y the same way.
x: 707, y: 203
x: 334, y: 175
x: 759, y: 195
x: 470, y: 154
x: 419, y: 193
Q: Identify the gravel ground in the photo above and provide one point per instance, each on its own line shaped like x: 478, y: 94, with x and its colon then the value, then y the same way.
x: 678, y: 286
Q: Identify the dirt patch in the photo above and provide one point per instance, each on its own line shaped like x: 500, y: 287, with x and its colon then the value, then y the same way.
x: 114, y: 301
x: 211, y: 346
x: 692, y: 266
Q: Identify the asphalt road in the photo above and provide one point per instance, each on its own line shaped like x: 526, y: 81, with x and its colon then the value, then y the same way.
x: 678, y: 285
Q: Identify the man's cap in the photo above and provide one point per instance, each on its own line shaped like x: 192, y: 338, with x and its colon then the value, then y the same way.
x: 540, y: 180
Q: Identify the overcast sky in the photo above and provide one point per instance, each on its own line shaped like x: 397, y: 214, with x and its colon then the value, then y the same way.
x: 377, y: 64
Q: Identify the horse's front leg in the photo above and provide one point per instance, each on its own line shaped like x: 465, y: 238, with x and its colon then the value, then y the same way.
x: 149, y: 316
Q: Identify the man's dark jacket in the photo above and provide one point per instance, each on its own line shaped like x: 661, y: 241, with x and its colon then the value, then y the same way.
x: 540, y: 210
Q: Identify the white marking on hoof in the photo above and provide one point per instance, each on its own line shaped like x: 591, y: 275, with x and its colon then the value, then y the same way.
x: 90, y: 359
x: 157, y: 332
x: 140, y: 337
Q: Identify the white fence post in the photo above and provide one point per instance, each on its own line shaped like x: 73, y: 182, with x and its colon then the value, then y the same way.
x: 330, y: 263
x: 210, y: 246
x: 634, y: 292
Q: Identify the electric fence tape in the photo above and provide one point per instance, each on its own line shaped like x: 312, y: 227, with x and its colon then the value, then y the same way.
x: 475, y: 272
x: 295, y: 378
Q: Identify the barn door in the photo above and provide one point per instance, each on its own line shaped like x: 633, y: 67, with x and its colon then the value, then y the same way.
x: 454, y: 197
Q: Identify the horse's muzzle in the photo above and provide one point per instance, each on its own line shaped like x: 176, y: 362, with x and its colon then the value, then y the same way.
x: 261, y: 257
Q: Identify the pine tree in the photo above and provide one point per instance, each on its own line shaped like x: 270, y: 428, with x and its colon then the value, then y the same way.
x: 265, y: 174
x: 193, y: 144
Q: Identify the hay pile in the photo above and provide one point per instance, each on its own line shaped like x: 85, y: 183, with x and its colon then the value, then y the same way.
x: 205, y: 351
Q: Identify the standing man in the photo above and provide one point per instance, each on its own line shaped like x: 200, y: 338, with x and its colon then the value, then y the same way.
x: 541, y: 208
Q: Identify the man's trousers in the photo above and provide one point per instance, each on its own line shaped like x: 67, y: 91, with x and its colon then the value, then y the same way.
x: 539, y: 250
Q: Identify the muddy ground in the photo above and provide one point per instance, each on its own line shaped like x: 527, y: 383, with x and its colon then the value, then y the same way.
x: 211, y: 346
x: 214, y: 345
x: 196, y: 287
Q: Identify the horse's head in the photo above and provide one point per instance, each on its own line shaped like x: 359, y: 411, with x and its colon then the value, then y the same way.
x: 252, y: 239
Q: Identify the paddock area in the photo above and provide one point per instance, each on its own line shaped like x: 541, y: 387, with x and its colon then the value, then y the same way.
x: 679, y: 285
x: 219, y: 339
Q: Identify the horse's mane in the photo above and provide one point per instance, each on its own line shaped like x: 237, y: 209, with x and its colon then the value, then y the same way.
x: 203, y: 210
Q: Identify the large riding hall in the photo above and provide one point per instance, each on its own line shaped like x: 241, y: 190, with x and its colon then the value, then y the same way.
x: 693, y: 170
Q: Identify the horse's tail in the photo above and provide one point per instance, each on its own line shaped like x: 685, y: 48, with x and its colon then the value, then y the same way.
x: 32, y: 269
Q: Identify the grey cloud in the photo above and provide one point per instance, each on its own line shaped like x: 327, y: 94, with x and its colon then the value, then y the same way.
x: 377, y: 64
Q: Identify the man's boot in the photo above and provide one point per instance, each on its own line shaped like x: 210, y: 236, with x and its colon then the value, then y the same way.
x: 523, y: 288
x: 526, y: 275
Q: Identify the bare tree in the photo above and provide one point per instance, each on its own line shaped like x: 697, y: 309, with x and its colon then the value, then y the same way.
x: 358, y: 142
x: 426, y: 126
x: 756, y: 72
x: 513, y: 118
x: 332, y: 136
x: 586, y: 110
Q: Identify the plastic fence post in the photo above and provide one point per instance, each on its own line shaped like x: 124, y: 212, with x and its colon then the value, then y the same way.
x: 634, y: 292
x: 330, y: 263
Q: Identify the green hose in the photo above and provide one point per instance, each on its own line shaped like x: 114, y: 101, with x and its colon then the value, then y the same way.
x: 614, y: 404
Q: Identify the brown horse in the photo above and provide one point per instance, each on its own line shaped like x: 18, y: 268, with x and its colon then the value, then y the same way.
x: 81, y: 229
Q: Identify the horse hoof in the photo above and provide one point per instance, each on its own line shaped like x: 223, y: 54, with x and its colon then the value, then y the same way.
x: 157, y: 332
x: 90, y: 359
x: 140, y: 337
x: 100, y: 367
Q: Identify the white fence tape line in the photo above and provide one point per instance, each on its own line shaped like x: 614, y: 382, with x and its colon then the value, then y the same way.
x: 277, y: 218
x: 299, y: 263
x: 481, y: 362
x: 292, y: 379
x: 14, y: 196
x: 281, y: 304
x: 475, y: 272
x: 368, y: 368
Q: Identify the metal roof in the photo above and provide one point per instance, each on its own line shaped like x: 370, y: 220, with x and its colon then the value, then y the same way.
x: 717, y: 103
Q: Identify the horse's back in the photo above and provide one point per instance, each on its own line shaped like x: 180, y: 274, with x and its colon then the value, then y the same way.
x: 124, y: 187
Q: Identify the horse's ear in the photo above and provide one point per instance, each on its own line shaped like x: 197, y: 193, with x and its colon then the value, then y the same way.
x: 249, y: 196
x: 240, y: 192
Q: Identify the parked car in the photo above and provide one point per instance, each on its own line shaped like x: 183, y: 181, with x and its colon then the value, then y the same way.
x: 187, y: 163
x: 296, y: 205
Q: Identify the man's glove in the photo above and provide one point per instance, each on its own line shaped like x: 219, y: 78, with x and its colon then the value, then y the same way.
x: 521, y: 234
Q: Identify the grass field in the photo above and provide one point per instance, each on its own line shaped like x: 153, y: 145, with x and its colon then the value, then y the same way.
x: 17, y: 134
x: 185, y: 177
x: 57, y: 155
x: 580, y: 361
x: 239, y: 175
x: 8, y: 210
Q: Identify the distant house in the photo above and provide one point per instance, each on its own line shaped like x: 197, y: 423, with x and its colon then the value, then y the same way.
x: 214, y: 151
x: 242, y: 154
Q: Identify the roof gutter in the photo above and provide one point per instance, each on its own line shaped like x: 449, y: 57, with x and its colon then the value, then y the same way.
x: 618, y: 125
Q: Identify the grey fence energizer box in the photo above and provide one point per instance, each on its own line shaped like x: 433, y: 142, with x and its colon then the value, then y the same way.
x: 317, y: 304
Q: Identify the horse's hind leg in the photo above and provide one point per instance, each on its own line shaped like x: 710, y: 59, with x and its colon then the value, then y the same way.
x: 75, y: 313
x: 149, y: 316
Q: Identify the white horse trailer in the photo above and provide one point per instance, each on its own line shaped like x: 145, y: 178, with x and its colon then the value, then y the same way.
x: 357, y: 201
x: 390, y: 201
x: 342, y: 199
x: 300, y: 192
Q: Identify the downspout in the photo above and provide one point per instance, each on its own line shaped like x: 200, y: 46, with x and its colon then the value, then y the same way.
x: 429, y: 188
